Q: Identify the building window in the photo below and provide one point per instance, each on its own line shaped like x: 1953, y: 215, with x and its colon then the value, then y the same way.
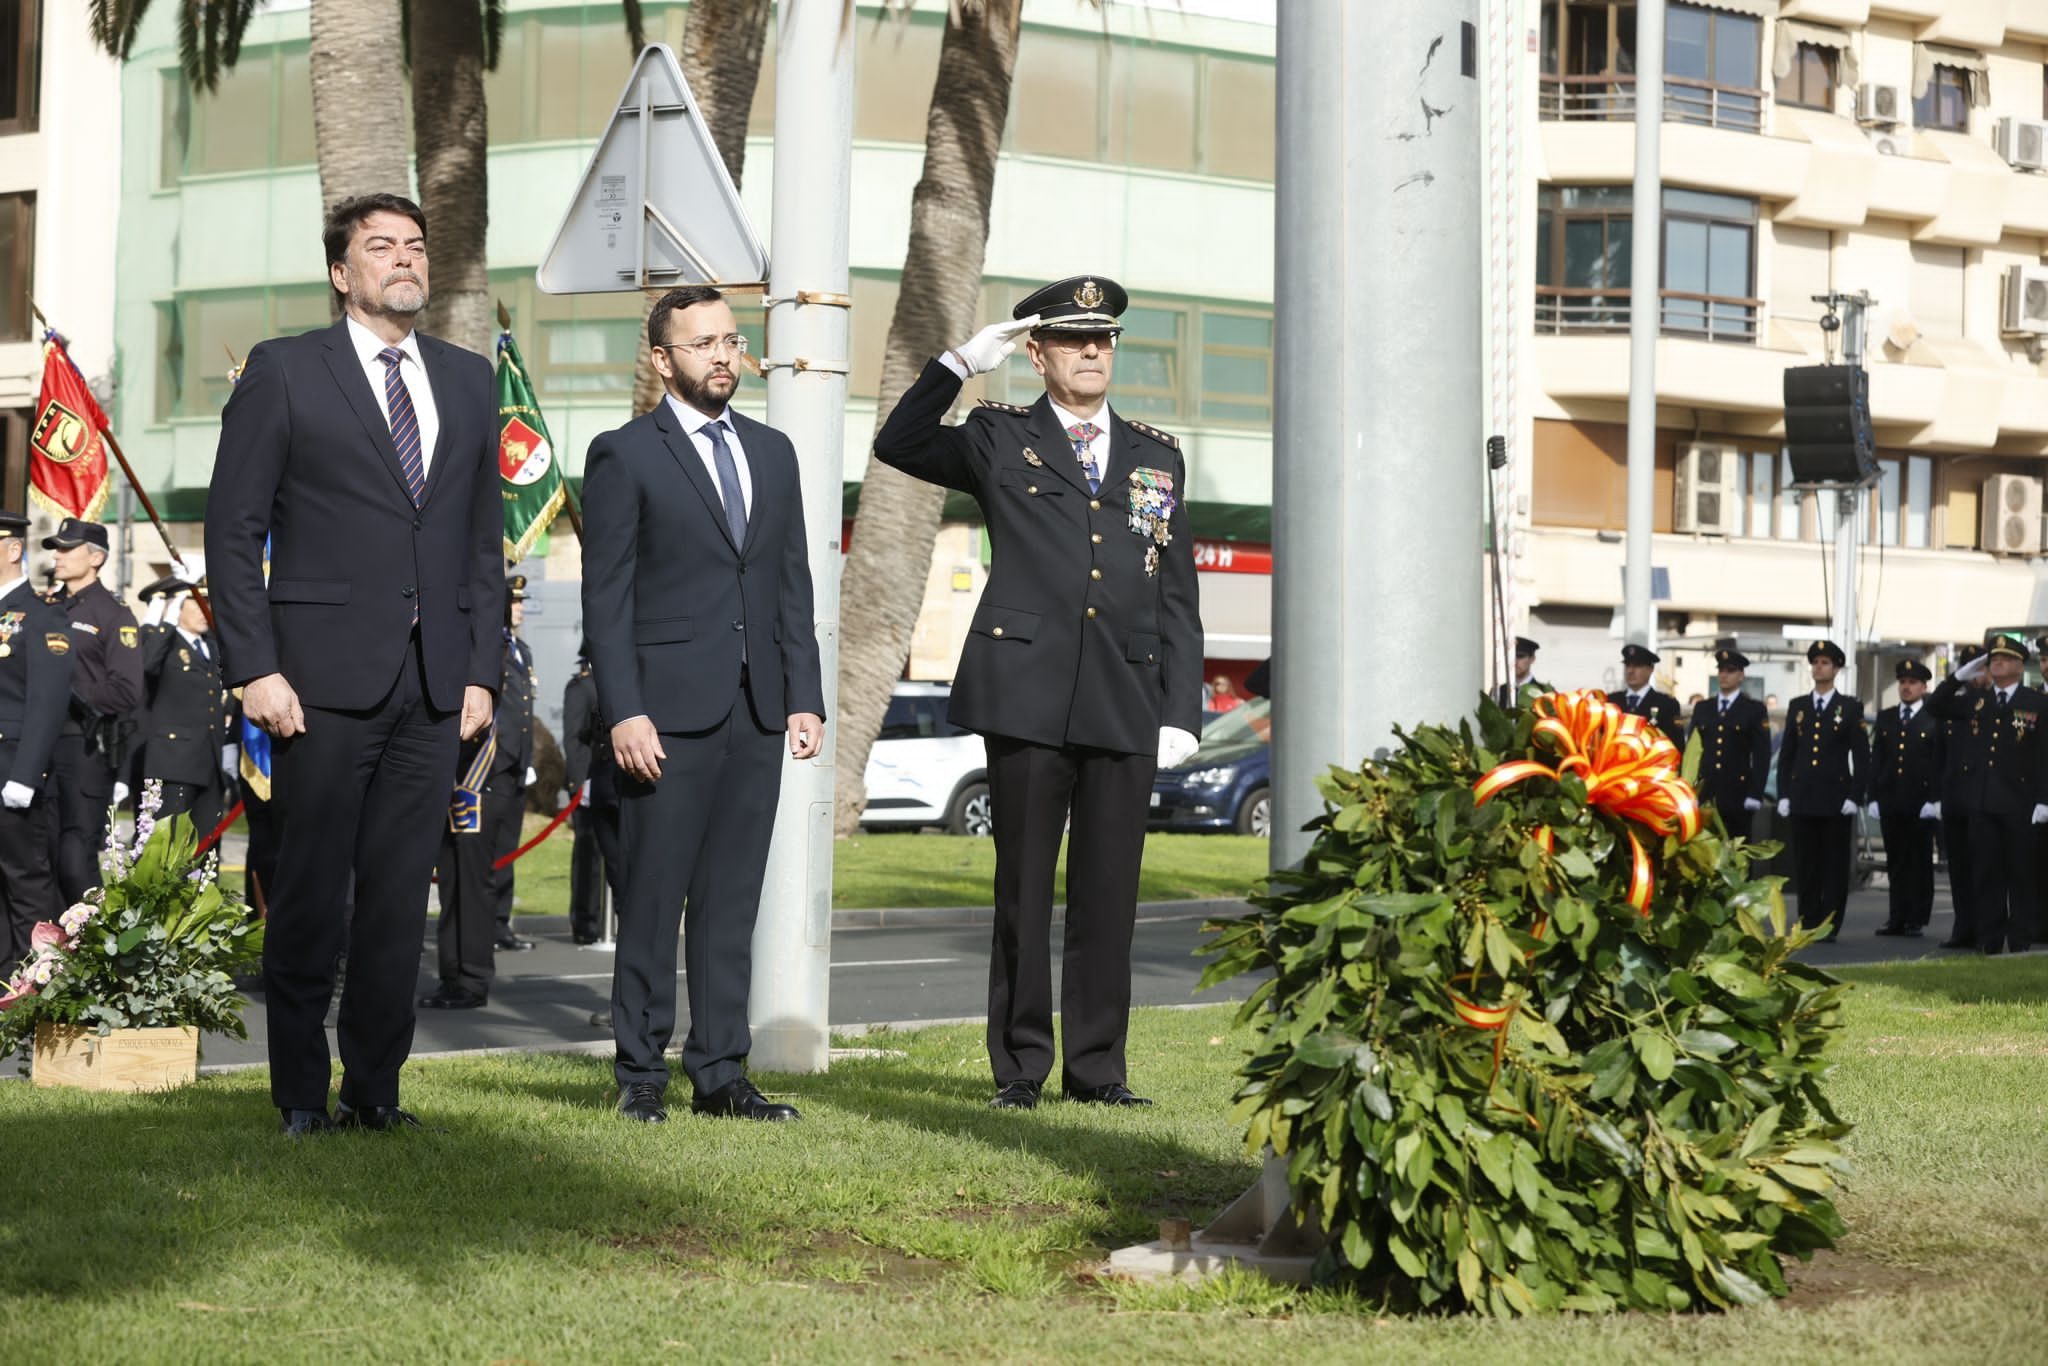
x: 197, y: 334
x: 1237, y: 366
x: 14, y: 425
x: 1237, y: 117
x: 1810, y: 84
x: 259, y: 118
x: 1946, y: 101
x: 17, y: 265
x: 20, y: 67
x: 1713, y: 64
x: 1148, y: 362
x: 1583, y: 266
x: 1919, y: 510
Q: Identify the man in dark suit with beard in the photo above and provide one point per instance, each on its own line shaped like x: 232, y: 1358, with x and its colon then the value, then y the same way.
x: 368, y: 455
x: 1735, y: 745
x: 698, y: 611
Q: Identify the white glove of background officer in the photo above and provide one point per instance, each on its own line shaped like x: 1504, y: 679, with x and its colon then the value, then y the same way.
x: 1930, y: 811
x: 17, y: 796
x: 2040, y: 814
x: 120, y: 793
x: 1849, y: 806
x: 1872, y: 811
x: 1176, y: 747
x: 1974, y: 668
x: 1784, y: 806
x: 1752, y: 804
x: 988, y: 348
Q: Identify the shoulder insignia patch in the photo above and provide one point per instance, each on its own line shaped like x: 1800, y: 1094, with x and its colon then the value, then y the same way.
x: 1162, y: 438
x: 1004, y: 407
x: 128, y: 636
x: 58, y: 643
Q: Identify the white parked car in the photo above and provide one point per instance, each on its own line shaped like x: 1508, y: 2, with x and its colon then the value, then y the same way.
x: 924, y: 770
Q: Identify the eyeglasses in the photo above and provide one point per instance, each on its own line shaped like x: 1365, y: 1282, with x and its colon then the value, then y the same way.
x: 705, y: 346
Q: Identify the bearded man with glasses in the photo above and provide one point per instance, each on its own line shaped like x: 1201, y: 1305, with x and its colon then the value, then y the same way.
x: 697, y: 608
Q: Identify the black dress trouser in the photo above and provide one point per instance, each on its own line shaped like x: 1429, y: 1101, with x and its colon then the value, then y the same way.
x: 2002, y: 858
x: 360, y: 794
x: 28, y: 891
x: 82, y: 784
x: 1033, y: 790
x: 1909, y: 866
x: 466, y: 934
x: 202, y: 804
x: 594, y: 864
x: 1962, y: 873
x: 1820, y: 868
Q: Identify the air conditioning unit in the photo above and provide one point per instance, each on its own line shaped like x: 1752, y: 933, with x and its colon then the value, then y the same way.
x: 2022, y: 142
x: 1888, y: 142
x: 2026, y: 300
x: 2011, y: 515
x: 1709, y: 490
x: 1877, y: 103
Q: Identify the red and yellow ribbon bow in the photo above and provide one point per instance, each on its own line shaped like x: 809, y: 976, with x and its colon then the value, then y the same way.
x: 1629, y: 769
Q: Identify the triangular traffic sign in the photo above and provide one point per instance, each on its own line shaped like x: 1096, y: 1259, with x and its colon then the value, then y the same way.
x: 655, y: 207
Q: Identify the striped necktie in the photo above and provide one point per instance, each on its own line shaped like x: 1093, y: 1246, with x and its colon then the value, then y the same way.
x: 1081, y: 434
x: 405, y: 424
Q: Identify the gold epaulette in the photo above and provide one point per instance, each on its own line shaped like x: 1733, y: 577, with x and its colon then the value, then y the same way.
x: 1004, y: 407
x: 1163, y: 438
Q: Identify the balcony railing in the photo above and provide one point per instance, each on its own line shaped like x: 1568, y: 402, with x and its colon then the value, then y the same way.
x: 1697, y: 317
x: 1612, y: 98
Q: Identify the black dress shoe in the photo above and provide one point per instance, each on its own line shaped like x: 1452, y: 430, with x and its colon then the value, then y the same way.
x: 1913, y: 932
x: 741, y: 1099
x: 641, y: 1100
x: 1116, y: 1093
x: 584, y: 940
x: 1018, y: 1095
x: 304, y: 1123
x: 1957, y: 944
x: 512, y: 943
x: 376, y: 1119
x: 1893, y: 929
x: 451, y: 998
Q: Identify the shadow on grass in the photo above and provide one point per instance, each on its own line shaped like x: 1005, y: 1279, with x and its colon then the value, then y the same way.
x: 2001, y: 980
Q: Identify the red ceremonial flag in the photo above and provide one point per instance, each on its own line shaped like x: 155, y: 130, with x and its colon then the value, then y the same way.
x: 67, y: 446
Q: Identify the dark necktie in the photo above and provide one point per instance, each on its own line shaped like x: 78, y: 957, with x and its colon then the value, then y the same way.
x: 728, y: 483
x: 1081, y: 434
x: 1724, y: 706
x: 199, y: 644
x: 405, y: 424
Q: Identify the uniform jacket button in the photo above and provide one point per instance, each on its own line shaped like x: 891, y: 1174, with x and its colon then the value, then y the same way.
x: 1096, y: 538
x: 1095, y: 505
x: 1091, y: 611
x: 1095, y: 573
x: 997, y: 632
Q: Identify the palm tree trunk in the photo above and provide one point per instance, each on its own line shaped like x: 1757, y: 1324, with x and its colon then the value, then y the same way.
x: 722, y: 45
x: 890, y: 558
x: 450, y: 143
x: 358, y: 74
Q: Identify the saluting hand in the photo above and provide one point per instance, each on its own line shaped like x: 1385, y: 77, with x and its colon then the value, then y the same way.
x: 637, y: 746
x: 806, y: 734
x: 993, y: 345
x: 273, y: 705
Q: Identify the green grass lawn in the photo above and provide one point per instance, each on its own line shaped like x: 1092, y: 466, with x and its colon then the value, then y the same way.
x: 945, y: 870
x: 904, y: 1221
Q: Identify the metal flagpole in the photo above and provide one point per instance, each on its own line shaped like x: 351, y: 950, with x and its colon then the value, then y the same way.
x: 1645, y: 314
x: 806, y: 367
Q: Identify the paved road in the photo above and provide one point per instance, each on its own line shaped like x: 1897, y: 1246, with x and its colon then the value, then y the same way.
x: 916, y: 972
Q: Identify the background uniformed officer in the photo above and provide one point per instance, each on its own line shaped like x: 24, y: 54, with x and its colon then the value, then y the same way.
x: 35, y: 690
x: 106, y: 691
x: 512, y: 775
x: 1954, y: 810
x: 1082, y: 669
x: 1734, y: 732
x: 1905, y: 766
x: 1525, y: 689
x: 594, y: 857
x: 1637, y: 697
x: 1823, y: 776
x: 2003, y: 739
x: 186, y: 735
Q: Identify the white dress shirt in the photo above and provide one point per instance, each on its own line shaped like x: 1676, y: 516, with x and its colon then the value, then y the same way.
x: 412, y: 371
x: 205, y: 650
x: 694, y: 423
x: 1822, y: 700
x: 7, y: 590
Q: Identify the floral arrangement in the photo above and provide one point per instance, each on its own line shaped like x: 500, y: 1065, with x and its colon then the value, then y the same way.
x: 160, y: 943
x: 1532, y: 1038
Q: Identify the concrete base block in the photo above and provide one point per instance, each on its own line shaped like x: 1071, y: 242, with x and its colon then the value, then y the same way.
x: 1257, y: 1231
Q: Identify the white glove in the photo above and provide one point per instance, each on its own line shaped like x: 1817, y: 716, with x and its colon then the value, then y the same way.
x: 1930, y: 811
x: 586, y: 791
x: 230, y: 759
x: 1849, y: 806
x: 531, y: 776
x: 2040, y: 814
x: 1872, y: 811
x: 1752, y: 804
x: 1974, y: 669
x: 120, y: 793
x: 991, y: 346
x: 1784, y: 806
x: 1176, y: 747
x: 159, y: 607
x: 17, y: 796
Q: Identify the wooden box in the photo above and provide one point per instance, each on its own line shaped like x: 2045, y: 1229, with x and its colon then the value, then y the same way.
x: 126, y: 1060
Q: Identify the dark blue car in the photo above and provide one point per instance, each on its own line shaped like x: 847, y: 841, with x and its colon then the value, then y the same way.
x: 1228, y: 785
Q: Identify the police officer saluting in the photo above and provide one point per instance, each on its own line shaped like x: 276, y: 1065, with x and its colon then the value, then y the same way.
x: 1823, y: 773
x: 1735, y: 745
x: 2003, y: 786
x: 1953, y: 810
x: 106, y: 689
x: 1638, y: 698
x: 186, y: 748
x: 1905, y: 759
x: 1083, y: 669
x: 35, y: 691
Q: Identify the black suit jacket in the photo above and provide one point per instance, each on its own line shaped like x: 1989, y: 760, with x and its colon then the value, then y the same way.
x: 1660, y: 707
x: 1906, y: 760
x: 1998, y: 755
x: 1074, y: 642
x: 671, y: 607
x: 1825, y: 759
x: 1735, y: 750
x: 306, y: 458
x: 35, y: 685
x: 188, y: 710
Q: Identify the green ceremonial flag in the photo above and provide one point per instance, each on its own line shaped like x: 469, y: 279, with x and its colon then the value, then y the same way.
x: 530, y: 478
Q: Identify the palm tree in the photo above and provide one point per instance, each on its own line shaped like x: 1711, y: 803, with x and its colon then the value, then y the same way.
x: 722, y: 45
x: 453, y: 42
x: 210, y: 33
x: 890, y: 558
